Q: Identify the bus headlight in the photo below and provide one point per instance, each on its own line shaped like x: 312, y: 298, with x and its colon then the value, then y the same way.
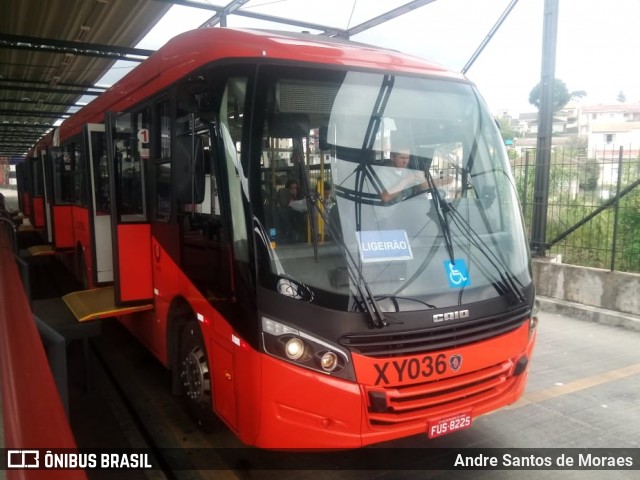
x: 305, y: 350
x: 329, y: 361
x: 294, y: 348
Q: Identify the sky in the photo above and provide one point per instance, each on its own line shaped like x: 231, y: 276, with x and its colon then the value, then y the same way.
x: 597, y: 41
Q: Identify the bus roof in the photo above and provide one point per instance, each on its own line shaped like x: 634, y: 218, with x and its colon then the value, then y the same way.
x: 190, y: 50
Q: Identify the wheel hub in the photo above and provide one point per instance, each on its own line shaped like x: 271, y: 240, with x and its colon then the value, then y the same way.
x: 195, y: 376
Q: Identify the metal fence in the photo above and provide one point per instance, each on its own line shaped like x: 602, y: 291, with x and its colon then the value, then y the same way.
x: 593, y: 204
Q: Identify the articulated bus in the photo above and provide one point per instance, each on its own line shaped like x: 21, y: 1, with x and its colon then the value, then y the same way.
x: 321, y: 240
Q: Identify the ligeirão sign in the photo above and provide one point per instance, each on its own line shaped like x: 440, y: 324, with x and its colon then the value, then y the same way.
x: 383, y: 245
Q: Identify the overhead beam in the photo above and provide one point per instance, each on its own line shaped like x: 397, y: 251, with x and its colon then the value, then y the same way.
x: 38, y: 103
x: 30, y: 113
x: 191, y: 3
x: 5, y: 125
x: 489, y: 36
x: 27, y: 130
x: 327, y: 30
x: 68, y: 91
x: 40, y: 44
x: 221, y: 16
x: 13, y: 142
x: 17, y: 146
x: 53, y: 83
x: 330, y: 31
x: 17, y: 139
x: 385, y: 17
x: 10, y: 134
x: 8, y: 139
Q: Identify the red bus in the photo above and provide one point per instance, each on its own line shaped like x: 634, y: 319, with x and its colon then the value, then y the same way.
x: 320, y: 239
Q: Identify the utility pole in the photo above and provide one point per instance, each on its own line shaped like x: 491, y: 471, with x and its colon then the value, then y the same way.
x: 545, y: 129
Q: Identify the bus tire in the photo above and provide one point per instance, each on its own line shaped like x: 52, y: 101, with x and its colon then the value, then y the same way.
x: 195, y: 377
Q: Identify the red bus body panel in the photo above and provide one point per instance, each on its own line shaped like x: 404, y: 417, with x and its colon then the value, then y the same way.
x: 303, y: 409
x: 82, y: 238
x: 38, y: 212
x: 63, y: 232
x: 26, y: 201
x: 134, y: 262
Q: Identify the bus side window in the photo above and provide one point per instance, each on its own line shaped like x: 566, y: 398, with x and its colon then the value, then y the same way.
x: 63, y: 178
x: 230, y: 130
x: 129, y: 165
x: 79, y: 187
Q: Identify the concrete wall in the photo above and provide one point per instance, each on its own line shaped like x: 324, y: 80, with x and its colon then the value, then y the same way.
x: 588, y: 293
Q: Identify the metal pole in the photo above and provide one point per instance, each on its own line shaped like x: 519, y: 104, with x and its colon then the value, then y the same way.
x: 616, y: 209
x: 525, y: 192
x: 545, y: 129
x: 489, y: 36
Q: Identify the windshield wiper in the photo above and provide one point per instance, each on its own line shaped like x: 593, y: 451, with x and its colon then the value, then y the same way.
x: 368, y: 301
x: 441, y: 209
x: 395, y: 301
x: 366, y: 298
x: 508, y: 283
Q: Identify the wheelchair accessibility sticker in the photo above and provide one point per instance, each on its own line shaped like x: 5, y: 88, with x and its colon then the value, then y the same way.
x: 457, y: 273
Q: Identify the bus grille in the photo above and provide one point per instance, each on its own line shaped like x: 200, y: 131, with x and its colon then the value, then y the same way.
x: 436, y: 338
x: 432, y: 399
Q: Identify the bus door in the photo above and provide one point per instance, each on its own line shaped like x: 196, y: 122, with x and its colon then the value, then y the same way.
x: 99, y: 198
x: 61, y: 182
x: 127, y: 154
x: 46, y: 190
x: 37, y: 201
x: 23, y: 188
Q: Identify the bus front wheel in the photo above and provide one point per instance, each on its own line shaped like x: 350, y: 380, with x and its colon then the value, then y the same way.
x: 195, y: 376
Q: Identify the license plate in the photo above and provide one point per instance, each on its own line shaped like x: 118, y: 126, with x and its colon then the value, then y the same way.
x: 449, y: 424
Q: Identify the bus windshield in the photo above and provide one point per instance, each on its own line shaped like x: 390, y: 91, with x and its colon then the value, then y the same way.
x: 400, y: 183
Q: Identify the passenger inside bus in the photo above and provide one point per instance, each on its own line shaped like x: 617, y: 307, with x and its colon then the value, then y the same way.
x: 290, y: 213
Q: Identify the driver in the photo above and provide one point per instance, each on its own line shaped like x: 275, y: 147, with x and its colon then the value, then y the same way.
x: 399, y: 181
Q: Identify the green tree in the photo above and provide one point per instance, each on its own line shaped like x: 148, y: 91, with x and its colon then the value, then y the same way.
x: 506, y: 131
x: 561, y: 95
x: 588, y: 175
